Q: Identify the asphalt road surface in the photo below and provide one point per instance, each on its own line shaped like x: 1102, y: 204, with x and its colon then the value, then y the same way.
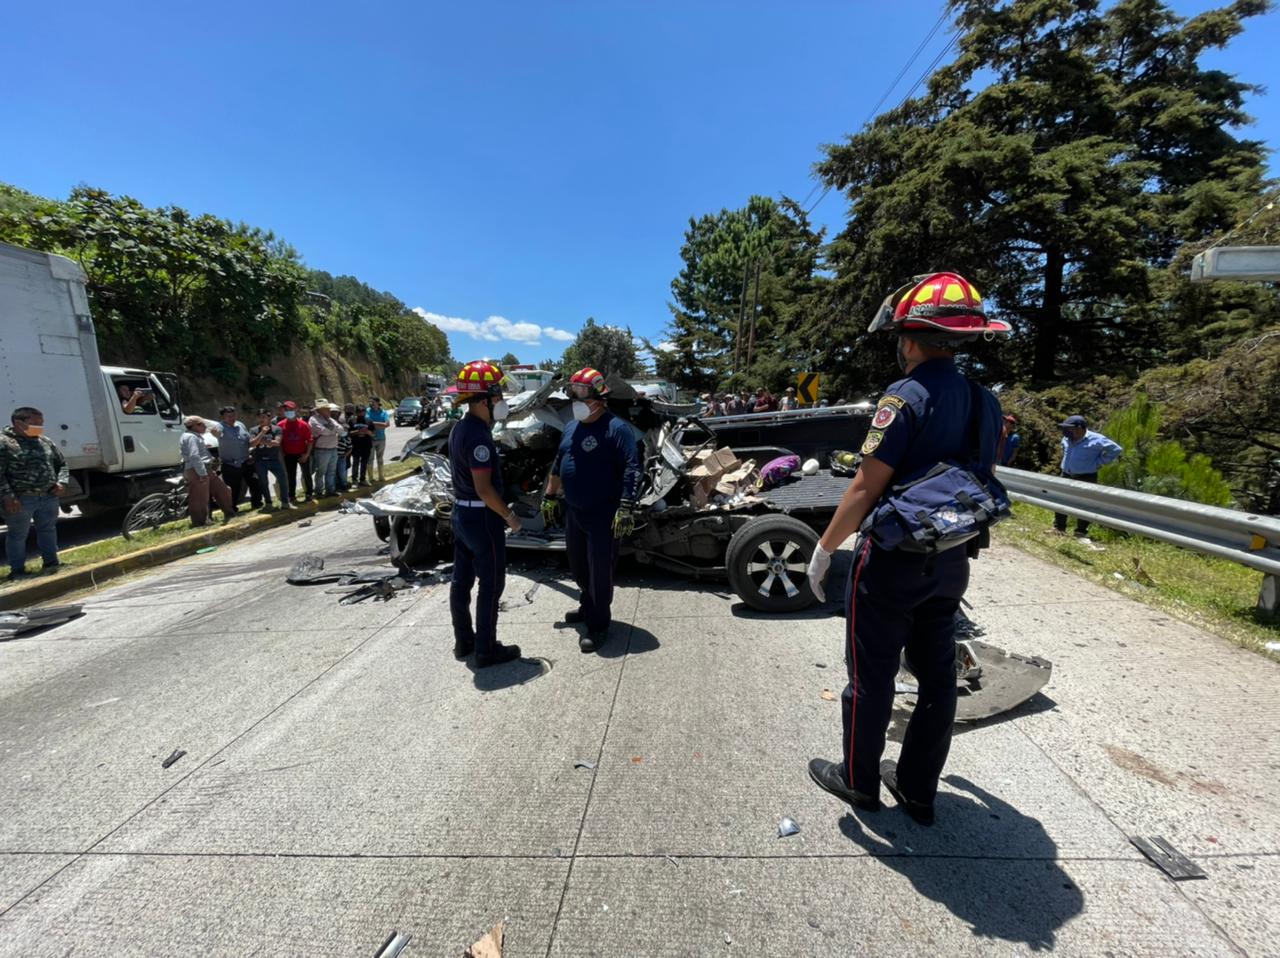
x: 77, y: 530
x: 345, y: 777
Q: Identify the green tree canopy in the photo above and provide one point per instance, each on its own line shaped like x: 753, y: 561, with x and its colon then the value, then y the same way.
x: 720, y: 255
x: 509, y: 359
x: 202, y: 295
x: 610, y: 349
x: 1097, y: 145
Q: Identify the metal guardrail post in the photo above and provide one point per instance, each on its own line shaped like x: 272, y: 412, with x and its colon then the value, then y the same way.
x: 1269, y: 599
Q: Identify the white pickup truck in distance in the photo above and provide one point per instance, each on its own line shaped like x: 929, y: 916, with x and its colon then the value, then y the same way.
x: 49, y: 360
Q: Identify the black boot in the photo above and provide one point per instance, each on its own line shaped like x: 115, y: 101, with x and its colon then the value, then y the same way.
x: 499, y: 655
x: 826, y: 775
x: 574, y: 616
x: 462, y: 649
x: 593, y: 641
x: 918, y: 811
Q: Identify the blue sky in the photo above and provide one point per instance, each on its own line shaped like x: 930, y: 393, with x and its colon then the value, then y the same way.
x: 508, y: 168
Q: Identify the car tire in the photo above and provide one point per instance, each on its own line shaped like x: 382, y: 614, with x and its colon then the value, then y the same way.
x: 382, y: 527
x: 767, y: 561
x: 414, y: 540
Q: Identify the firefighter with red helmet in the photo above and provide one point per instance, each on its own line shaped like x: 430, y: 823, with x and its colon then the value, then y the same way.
x: 896, y: 599
x: 480, y: 517
x: 593, y: 486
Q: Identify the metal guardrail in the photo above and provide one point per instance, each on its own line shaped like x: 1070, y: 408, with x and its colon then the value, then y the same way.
x: 1249, y: 538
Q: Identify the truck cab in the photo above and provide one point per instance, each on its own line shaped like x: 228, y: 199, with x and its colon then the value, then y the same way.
x: 49, y: 360
x: 148, y: 436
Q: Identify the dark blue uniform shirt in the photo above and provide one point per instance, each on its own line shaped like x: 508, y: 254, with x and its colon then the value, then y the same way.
x: 598, y: 463
x: 471, y: 447
x: 927, y: 418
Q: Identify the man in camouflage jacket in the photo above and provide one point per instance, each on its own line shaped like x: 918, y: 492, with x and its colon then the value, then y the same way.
x: 32, y: 475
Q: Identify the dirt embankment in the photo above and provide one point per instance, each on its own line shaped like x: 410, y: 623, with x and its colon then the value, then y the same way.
x: 304, y: 375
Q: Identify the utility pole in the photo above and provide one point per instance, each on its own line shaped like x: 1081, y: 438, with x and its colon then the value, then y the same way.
x: 755, y: 305
x: 742, y: 312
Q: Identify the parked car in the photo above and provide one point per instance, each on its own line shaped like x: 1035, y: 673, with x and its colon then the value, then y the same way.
x: 408, y: 411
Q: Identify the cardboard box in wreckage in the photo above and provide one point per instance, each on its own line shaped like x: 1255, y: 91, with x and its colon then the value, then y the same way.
x: 721, y: 480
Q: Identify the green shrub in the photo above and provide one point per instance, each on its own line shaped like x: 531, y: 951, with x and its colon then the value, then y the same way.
x: 1158, y: 466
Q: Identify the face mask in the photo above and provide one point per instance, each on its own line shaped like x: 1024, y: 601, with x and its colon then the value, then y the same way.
x: 581, y: 411
x: 34, y: 431
x: 291, y: 415
x: 500, y: 410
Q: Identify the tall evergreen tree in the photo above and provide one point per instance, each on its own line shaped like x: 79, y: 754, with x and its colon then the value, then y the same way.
x: 1098, y: 145
x: 720, y: 253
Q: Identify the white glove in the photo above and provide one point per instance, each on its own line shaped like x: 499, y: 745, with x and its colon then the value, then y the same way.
x: 819, y: 565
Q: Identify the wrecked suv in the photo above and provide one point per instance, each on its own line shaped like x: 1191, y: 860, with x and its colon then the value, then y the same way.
x: 703, y: 512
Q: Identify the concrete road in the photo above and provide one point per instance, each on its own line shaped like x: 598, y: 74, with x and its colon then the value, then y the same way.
x: 344, y: 777
x: 77, y: 530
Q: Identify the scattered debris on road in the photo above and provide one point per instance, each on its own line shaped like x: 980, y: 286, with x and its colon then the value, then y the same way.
x: 177, y: 754
x: 206, y: 550
x: 828, y: 695
x: 1171, y: 861
x: 394, y: 944
x: 581, y: 764
x: 787, y: 828
x: 490, y: 946
x: 21, y: 621
x: 304, y: 523
x: 382, y: 584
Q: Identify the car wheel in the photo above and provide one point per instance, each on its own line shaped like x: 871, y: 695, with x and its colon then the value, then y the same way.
x: 415, y: 540
x: 767, y: 560
x: 382, y: 527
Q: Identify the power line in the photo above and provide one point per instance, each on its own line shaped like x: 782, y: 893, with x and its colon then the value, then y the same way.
x: 907, y: 66
x: 911, y: 92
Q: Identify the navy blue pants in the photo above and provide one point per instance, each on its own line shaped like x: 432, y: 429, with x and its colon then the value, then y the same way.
x: 897, y: 601
x: 593, y: 557
x: 479, y: 554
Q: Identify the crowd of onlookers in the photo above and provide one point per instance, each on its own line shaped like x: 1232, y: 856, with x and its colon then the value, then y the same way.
x: 333, y: 448
x: 745, y: 403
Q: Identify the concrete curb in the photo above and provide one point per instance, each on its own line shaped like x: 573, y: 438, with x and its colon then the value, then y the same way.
x: 91, y: 576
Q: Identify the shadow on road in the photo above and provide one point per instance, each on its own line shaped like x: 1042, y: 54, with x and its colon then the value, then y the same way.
x: 498, y: 677
x: 1024, y: 896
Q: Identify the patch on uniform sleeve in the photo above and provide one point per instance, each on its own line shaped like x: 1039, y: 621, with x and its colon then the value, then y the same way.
x: 897, y: 402
x: 884, y: 417
x: 872, y: 442
x: 481, y: 453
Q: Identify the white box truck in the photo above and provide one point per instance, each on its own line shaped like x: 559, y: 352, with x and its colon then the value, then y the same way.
x: 49, y: 360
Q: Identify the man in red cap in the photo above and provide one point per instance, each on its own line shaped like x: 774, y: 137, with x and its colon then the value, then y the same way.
x: 295, y: 443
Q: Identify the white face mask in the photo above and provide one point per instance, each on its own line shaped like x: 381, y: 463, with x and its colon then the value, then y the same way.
x: 581, y: 411
x: 290, y: 414
x: 500, y: 410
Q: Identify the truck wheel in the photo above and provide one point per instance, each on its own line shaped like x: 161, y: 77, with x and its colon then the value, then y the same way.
x: 415, y: 539
x: 382, y: 527
x: 149, y: 512
x: 767, y: 559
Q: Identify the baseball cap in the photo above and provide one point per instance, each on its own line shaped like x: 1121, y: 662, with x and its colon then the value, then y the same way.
x: 1072, y: 421
x: 226, y: 409
x: 290, y: 404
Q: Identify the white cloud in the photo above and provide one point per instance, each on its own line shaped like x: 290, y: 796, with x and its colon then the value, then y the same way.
x: 496, y: 329
x: 665, y: 347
